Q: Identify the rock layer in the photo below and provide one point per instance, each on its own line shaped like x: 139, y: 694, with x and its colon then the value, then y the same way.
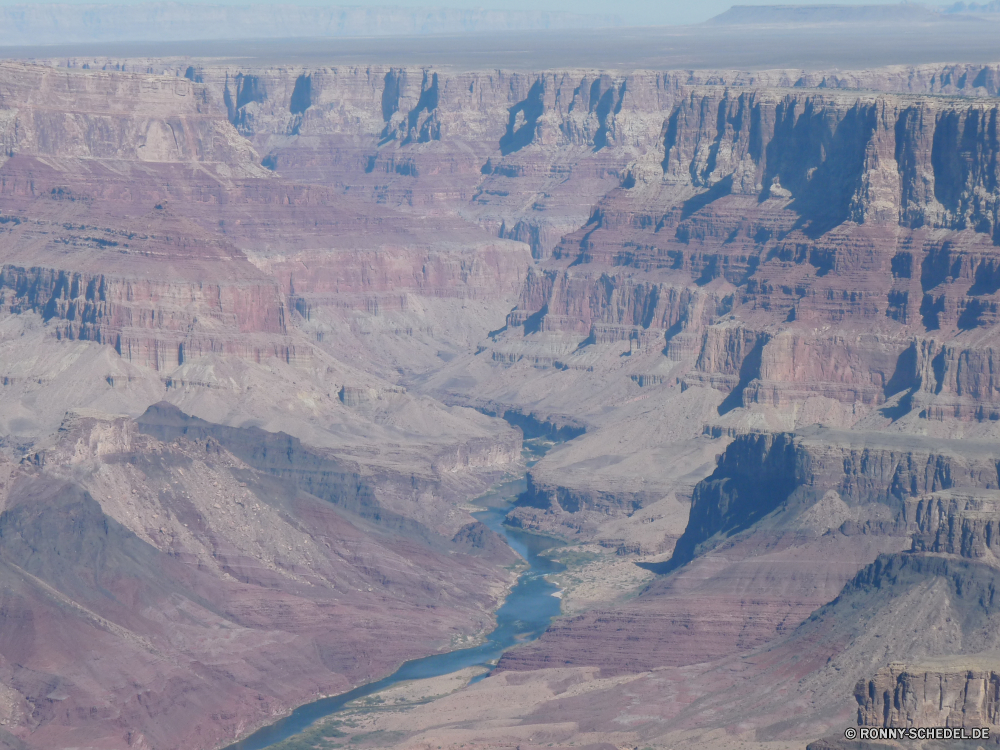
x: 169, y: 556
x: 954, y: 692
x: 310, y: 260
x: 762, y: 473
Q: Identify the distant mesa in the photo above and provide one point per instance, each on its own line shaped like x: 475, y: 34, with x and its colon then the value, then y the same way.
x: 974, y: 8
x: 808, y: 15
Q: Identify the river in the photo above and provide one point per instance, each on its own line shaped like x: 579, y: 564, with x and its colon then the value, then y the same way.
x: 524, y: 616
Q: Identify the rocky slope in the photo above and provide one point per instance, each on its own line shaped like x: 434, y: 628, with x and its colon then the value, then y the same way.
x: 149, y: 232
x: 824, y: 502
x: 148, y: 256
x: 179, y: 591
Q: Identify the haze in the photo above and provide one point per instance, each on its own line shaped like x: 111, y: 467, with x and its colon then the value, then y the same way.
x: 631, y: 13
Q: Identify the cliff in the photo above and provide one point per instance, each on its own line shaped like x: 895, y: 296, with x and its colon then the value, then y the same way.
x: 154, y: 323
x: 948, y: 691
x: 140, y: 225
x: 828, y: 503
x: 234, y: 238
x: 958, y: 522
x: 770, y: 214
x: 892, y: 476
x: 823, y: 501
x: 875, y: 159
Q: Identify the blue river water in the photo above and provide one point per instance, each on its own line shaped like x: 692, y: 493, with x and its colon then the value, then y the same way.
x: 524, y: 616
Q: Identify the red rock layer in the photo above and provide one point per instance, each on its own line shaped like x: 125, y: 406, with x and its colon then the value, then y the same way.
x: 770, y: 214
x: 150, y: 226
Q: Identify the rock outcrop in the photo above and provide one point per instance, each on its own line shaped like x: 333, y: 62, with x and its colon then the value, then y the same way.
x: 723, y: 176
x: 769, y: 218
x: 950, y: 691
x: 904, y: 482
x: 824, y: 501
x: 958, y: 522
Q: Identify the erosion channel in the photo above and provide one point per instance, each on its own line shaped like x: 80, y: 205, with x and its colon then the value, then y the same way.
x: 525, y: 614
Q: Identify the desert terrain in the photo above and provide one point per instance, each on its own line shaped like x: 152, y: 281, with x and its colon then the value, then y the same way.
x: 272, y: 319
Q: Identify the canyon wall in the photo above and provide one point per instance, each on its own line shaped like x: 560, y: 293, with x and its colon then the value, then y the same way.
x: 762, y: 473
x: 956, y: 694
x: 323, y: 267
x: 647, y: 187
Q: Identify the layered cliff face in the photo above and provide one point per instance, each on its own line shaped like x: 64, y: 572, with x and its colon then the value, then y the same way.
x: 944, y: 692
x: 870, y: 160
x: 915, y: 630
x: 482, y: 143
x: 823, y: 501
x: 146, y: 255
x: 524, y: 155
x: 768, y: 215
x: 904, y: 479
x: 126, y: 118
x: 735, y: 636
x: 938, y: 677
x: 142, y: 268
x: 786, y: 194
x: 123, y: 204
x: 156, y: 557
x: 958, y: 522
x: 659, y: 265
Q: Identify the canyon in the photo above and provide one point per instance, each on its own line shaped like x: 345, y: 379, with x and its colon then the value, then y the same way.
x: 267, y: 329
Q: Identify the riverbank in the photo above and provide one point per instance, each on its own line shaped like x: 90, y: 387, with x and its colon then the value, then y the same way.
x: 530, y: 605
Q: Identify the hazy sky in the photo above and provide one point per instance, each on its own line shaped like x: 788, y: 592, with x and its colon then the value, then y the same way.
x: 637, y: 12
